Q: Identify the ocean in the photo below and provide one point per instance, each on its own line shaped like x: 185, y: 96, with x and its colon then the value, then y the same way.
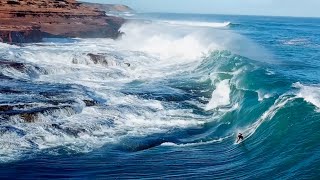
x: 166, y: 101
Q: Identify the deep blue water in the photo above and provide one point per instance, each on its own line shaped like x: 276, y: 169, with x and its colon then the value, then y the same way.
x: 194, y: 82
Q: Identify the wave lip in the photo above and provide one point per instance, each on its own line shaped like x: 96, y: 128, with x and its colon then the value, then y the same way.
x: 310, y: 94
x: 220, y: 96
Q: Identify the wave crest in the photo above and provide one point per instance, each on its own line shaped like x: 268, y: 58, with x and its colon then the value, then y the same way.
x: 310, y: 94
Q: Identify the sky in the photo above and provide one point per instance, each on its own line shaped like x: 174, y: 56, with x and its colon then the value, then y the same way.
x: 300, y: 8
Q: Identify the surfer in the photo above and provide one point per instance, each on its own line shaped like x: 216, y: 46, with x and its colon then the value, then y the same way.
x: 240, y: 137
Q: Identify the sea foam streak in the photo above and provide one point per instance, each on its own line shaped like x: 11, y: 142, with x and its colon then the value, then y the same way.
x: 199, y: 24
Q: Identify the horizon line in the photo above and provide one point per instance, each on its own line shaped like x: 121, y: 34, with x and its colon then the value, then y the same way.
x: 260, y: 15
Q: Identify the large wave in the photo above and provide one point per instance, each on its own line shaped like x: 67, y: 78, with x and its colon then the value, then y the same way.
x: 178, y: 78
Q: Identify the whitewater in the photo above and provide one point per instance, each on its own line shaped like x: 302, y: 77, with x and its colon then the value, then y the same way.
x: 167, y: 100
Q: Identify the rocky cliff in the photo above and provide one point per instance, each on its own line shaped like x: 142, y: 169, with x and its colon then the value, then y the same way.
x: 24, y: 21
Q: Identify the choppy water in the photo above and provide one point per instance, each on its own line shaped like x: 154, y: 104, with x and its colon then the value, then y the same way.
x: 167, y: 101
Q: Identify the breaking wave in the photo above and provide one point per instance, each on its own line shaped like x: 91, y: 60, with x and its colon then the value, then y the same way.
x: 156, y: 86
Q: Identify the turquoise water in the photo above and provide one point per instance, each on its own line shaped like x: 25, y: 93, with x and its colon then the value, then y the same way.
x: 194, y: 82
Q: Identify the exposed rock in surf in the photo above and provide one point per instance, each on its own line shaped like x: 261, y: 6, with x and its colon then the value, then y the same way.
x: 33, y: 115
x: 96, y: 58
x: 14, y: 65
x: 69, y: 130
x: 8, y: 109
x: 102, y: 59
x: 73, y: 132
x: 128, y: 64
x: 29, y: 117
x: 30, y: 114
x: 4, y: 108
x: 30, y: 21
x: 28, y: 69
x: 56, y: 126
x: 90, y: 103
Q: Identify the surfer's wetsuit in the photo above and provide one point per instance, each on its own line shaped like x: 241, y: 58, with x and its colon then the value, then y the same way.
x: 240, y: 137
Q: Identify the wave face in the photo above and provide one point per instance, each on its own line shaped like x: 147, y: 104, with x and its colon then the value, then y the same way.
x: 171, y: 94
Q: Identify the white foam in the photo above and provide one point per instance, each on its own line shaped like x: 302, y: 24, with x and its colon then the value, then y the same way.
x: 128, y: 14
x: 220, y: 96
x: 164, y: 42
x: 263, y: 95
x: 5, y: 45
x: 310, y: 94
x: 270, y: 72
x: 196, y: 143
x: 12, y: 146
x: 101, y: 125
x: 199, y: 24
x: 185, y: 43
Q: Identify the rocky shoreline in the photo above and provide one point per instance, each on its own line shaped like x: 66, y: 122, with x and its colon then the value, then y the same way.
x: 26, y: 21
x: 30, y: 112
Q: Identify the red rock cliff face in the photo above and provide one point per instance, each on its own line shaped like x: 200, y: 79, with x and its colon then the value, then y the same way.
x: 24, y: 21
x: 20, y: 34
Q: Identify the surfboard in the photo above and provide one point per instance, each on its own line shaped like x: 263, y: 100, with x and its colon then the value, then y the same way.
x: 239, y: 141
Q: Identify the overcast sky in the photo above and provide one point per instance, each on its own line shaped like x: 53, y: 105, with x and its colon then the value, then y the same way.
x: 309, y: 8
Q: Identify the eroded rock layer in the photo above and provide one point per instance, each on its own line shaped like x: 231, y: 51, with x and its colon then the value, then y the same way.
x: 24, y: 21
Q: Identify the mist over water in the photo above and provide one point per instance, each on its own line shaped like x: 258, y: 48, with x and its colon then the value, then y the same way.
x: 167, y: 101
